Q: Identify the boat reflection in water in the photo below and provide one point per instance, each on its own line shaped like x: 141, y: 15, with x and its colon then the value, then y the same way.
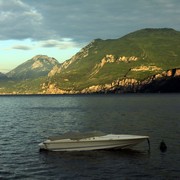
x: 75, y: 141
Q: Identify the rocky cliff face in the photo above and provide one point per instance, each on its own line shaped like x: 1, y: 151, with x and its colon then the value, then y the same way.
x: 152, y: 84
x: 167, y: 81
x: 155, y: 83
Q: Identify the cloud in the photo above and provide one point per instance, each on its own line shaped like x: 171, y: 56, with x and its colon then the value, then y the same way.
x: 21, y: 47
x: 26, y: 45
x: 50, y: 43
x: 18, y: 20
x: 82, y: 21
x: 62, y: 44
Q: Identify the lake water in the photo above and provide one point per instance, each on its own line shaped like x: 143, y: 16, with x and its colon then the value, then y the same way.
x: 25, y: 121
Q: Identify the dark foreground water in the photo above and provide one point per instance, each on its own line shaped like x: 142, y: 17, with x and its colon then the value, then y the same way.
x: 26, y: 121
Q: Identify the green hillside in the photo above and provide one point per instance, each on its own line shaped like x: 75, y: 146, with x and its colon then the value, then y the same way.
x: 125, y: 64
x: 155, y: 50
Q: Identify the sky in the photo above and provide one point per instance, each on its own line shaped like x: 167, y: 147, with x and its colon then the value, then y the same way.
x: 60, y: 28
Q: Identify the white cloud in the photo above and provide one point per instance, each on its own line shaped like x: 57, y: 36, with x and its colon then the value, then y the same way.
x: 28, y: 44
x: 21, y: 47
x: 62, y: 44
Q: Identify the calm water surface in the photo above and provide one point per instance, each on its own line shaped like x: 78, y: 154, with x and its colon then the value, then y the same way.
x: 25, y: 121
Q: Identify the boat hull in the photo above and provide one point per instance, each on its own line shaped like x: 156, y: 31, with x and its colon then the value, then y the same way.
x: 95, y: 143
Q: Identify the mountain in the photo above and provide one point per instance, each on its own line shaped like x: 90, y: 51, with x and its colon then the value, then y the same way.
x: 3, y: 76
x: 36, y: 67
x: 105, y: 65
x: 146, y: 60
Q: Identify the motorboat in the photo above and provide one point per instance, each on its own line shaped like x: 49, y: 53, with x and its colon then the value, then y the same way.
x: 91, y: 141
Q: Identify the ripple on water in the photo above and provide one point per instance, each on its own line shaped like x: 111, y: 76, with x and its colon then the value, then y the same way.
x: 27, y: 121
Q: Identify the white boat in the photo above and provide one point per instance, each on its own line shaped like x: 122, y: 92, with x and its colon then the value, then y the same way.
x: 91, y: 141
